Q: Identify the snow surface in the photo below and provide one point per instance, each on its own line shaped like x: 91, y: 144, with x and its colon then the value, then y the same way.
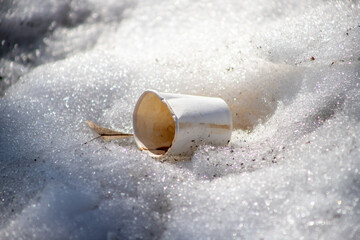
x: 289, y: 70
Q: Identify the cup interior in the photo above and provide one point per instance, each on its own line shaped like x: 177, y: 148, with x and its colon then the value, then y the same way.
x: 154, y: 125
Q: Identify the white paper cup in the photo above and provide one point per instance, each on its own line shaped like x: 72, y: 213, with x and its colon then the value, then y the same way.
x: 167, y: 124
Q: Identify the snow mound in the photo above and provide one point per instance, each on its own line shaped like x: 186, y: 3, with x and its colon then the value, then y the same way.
x: 289, y: 70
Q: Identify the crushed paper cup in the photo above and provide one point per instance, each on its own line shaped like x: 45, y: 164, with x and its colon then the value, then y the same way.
x: 167, y: 124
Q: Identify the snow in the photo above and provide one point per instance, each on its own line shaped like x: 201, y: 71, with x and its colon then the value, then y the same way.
x: 289, y: 71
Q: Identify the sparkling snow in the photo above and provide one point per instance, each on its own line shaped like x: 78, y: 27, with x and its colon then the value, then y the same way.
x: 289, y: 70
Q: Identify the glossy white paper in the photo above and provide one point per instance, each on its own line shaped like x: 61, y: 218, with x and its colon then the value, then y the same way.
x: 167, y: 124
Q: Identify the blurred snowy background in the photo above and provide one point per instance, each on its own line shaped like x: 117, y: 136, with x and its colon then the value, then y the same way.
x: 289, y: 70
